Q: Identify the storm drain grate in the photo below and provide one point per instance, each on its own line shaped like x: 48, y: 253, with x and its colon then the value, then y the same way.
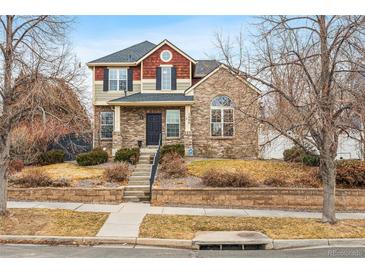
x: 231, y: 247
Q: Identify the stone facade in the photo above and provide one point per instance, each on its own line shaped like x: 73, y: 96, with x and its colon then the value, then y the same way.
x: 266, y: 198
x: 68, y: 194
x: 133, y: 125
x: 97, y: 141
x: 244, y: 143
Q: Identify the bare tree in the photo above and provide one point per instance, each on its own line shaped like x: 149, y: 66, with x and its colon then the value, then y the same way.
x: 33, y: 52
x: 308, y: 68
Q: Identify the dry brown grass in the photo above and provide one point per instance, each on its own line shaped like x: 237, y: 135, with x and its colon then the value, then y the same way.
x: 258, y: 170
x: 185, y: 227
x: 69, y: 171
x: 51, y: 222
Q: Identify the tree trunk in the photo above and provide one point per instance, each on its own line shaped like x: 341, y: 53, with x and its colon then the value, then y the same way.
x: 4, y: 163
x: 327, y: 170
x: 328, y: 175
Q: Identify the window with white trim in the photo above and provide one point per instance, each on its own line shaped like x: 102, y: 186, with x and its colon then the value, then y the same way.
x: 221, y: 117
x: 106, y: 125
x: 173, y: 123
x: 165, y: 78
x: 118, y: 79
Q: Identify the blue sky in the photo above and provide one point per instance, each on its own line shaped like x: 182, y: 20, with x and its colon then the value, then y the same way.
x: 95, y: 36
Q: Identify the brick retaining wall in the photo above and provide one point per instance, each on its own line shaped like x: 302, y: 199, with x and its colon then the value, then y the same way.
x: 269, y: 198
x: 67, y: 194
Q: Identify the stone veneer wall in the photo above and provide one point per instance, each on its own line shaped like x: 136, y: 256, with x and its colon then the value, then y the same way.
x: 133, y: 124
x: 267, y: 198
x: 97, y: 142
x: 67, y: 194
x: 244, y: 143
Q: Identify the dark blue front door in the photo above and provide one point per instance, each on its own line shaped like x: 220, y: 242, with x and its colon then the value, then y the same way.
x: 153, y: 128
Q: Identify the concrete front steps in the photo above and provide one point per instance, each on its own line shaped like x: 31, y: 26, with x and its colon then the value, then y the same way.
x: 138, y: 188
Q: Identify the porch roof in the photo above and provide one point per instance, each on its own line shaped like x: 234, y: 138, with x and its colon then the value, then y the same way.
x: 156, y: 99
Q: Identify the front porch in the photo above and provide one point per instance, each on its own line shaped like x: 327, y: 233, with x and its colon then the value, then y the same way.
x: 142, y: 122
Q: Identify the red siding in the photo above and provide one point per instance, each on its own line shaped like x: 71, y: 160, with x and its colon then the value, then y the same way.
x: 153, y: 61
x: 99, y: 73
x: 137, y: 73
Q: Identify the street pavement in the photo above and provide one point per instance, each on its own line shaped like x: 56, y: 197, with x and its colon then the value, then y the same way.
x: 44, y: 251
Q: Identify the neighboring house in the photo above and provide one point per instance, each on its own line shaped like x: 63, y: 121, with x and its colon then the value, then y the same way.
x: 272, y: 145
x: 146, y: 91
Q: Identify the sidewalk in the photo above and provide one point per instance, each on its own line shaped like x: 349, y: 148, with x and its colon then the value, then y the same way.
x: 124, y: 219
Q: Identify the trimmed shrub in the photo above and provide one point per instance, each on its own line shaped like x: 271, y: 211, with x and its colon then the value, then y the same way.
x: 298, y: 155
x: 33, y: 178
x: 350, y: 174
x: 15, y: 166
x: 173, y: 166
x: 293, y: 154
x: 130, y: 155
x: 95, y: 157
x: 222, y: 178
x: 63, y: 182
x: 117, y: 172
x: 52, y: 157
x: 310, y: 160
x: 176, y: 148
x: 275, y: 182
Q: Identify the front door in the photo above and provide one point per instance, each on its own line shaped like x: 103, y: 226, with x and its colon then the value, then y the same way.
x: 153, y: 128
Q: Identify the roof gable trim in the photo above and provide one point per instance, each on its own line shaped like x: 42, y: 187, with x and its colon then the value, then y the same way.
x: 166, y: 42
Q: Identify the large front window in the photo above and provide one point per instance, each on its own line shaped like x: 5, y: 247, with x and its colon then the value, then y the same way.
x: 173, y: 123
x: 222, y: 117
x: 118, y: 79
x: 166, y: 78
x: 106, y: 125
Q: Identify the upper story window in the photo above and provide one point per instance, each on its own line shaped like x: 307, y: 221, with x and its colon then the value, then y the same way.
x: 106, y: 125
x: 118, y: 79
x: 166, y: 55
x: 222, y: 117
x: 165, y: 78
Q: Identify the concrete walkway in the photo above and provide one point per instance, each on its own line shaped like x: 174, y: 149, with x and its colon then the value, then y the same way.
x: 124, y: 219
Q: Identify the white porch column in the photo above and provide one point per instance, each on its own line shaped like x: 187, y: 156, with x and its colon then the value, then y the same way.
x: 117, y: 119
x: 188, y: 137
x: 187, y: 118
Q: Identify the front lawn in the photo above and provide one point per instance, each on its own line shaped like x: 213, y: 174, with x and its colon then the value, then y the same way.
x: 258, y: 170
x: 185, y: 227
x: 263, y: 172
x: 51, y: 222
x: 69, y: 171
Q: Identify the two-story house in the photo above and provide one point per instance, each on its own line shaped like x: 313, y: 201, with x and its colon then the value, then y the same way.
x: 146, y: 91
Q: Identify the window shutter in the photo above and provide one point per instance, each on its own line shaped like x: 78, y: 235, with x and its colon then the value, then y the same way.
x: 106, y: 80
x: 173, y: 78
x: 158, y: 78
x: 130, y: 80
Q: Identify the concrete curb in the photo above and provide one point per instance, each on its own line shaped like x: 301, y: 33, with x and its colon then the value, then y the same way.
x: 66, y: 240
x: 172, y: 243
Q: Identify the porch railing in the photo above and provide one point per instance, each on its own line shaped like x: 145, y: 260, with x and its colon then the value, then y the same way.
x: 156, y: 160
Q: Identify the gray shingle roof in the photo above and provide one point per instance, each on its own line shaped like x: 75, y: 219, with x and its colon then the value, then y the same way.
x: 154, y: 97
x: 204, y: 67
x: 130, y: 54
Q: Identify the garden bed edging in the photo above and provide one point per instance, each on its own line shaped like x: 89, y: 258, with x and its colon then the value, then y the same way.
x: 67, y: 194
x: 263, y: 198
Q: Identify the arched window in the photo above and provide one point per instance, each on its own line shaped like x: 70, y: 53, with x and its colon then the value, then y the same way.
x: 221, y: 113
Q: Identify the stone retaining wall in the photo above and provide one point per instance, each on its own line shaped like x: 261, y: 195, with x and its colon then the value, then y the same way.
x: 67, y: 194
x: 269, y: 198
